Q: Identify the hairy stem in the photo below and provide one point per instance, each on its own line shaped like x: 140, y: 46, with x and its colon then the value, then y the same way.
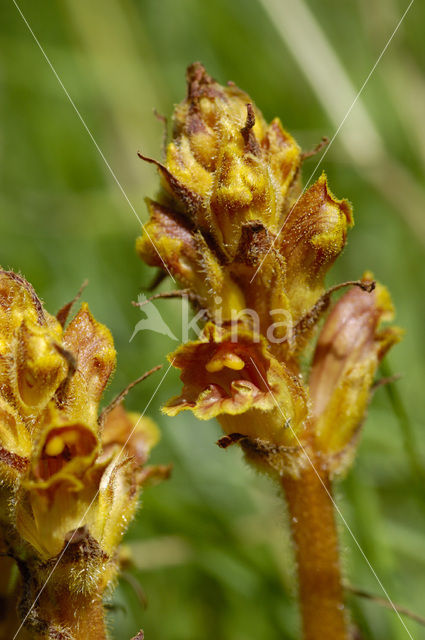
x: 64, y: 615
x: 315, y: 539
x: 89, y: 623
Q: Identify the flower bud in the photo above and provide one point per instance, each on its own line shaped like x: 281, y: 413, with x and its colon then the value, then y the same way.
x: 230, y: 222
x: 40, y: 368
x: 225, y: 166
x: 312, y: 238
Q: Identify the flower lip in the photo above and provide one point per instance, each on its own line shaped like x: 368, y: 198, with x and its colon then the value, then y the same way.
x: 221, y: 376
x: 62, y: 448
x: 130, y: 433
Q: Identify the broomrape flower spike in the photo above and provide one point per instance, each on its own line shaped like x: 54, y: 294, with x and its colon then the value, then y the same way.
x: 230, y: 200
x: 70, y: 482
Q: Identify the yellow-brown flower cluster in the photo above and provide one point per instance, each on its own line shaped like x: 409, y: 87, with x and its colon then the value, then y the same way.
x: 69, y: 480
x: 232, y: 225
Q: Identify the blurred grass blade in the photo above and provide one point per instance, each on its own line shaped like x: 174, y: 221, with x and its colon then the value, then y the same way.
x: 123, y: 70
x: 406, y: 428
x: 320, y: 64
x: 308, y: 44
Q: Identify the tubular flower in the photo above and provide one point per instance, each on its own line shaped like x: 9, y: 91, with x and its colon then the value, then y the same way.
x: 231, y: 224
x: 238, y: 382
x: 350, y: 347
x: 70, y: 481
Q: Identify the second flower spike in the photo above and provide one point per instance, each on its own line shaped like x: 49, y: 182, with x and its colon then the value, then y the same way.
x: 69, y: 479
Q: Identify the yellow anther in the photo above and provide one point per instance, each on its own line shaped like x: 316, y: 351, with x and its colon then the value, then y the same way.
x: 229, y: 360
x: 55, y: 446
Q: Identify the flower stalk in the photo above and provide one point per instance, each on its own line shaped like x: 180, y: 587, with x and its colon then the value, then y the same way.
x: 233, y: 226
x: 314, y: 532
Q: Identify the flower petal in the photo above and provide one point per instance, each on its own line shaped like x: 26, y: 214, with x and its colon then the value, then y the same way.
x: 39, y: 368
x: 129, y: 432
x: 226, y: 376
x: 15, y: 444
x: 62, y: 451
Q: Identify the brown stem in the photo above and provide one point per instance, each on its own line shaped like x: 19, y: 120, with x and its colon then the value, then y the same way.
x: 315, y: 538
x: 90, y: 621
x: 82, y: 616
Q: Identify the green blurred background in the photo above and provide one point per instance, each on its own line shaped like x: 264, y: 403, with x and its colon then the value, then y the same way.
x: 211, y: 548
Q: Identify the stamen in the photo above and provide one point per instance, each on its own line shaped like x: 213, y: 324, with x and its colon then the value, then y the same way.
x: 55, y: 446
x: 229, y: 360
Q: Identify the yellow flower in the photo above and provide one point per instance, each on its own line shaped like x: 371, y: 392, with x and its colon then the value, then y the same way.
x: 95, y: 491
x: 225, y: 377
x: 232, y: 225
x: 70, y: 481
